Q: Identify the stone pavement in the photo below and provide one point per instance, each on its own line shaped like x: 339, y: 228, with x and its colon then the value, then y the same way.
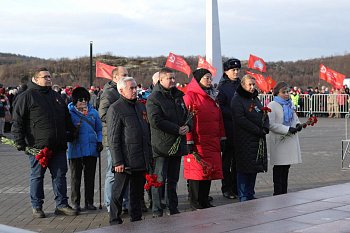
x: 321, y: 151
x: 319, y: 210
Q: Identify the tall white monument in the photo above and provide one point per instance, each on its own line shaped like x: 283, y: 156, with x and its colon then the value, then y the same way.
x: 213, y: 44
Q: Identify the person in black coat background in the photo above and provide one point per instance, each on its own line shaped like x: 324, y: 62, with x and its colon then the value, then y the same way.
x: 227, y: 88
x: 130, y: 146
x: 250, y: 126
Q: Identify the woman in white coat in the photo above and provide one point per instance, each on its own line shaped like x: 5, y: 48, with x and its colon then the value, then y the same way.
x: 284, y: 150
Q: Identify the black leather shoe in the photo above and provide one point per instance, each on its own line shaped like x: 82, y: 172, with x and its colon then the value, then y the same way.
x: 229, y: 195
x: 77, y: 208
x: 116, y: 222
x: 172, y: 212
x: 135, y: 220
x: 196, y: 206
x: 90, y: 207
x: 209, y: 205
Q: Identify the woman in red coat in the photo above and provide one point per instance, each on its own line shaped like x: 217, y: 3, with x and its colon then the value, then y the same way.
x: 203, y: 163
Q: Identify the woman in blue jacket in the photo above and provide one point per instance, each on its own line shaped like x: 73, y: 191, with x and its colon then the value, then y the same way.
x: 84, y: 150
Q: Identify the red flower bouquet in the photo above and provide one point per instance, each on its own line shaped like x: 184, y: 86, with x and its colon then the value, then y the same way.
x: 265, y: 110
x: 42, y: 156
x: 151, y: 181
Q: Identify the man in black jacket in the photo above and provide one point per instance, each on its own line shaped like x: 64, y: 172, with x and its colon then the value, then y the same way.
x: 227, y: 88
x: 110, y: 95
x: 167, y: 116
x: 41, y: 119
x: 130, y: 146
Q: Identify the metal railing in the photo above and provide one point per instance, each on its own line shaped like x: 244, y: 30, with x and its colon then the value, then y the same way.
x: 333, y: 104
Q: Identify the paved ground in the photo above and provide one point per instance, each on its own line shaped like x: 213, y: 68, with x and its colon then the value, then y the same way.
x: 319, y: 210
x: 320, y: 145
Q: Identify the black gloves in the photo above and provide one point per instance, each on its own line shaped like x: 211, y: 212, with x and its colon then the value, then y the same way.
x: 299, y: 127
x: 21, y: 147
x: 264, y: 131
x: 222, y: 145
x: 99, y: 146
x: 190, y: 148
x: 292, y: 130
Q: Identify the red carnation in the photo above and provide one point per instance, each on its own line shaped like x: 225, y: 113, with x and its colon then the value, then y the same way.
x: 266, y: 109
x: 151, y: 180
x: 43, y: 157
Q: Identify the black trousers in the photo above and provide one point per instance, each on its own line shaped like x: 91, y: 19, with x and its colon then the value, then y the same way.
x: 280, y: 179
x: 77, y: 167
x: 136, y: 187
x: 199, y: 192
x: 229, y: 183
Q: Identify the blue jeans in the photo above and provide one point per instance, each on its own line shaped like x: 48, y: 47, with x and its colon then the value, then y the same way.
x: 58, y: 169
x: 246, y: 185
x: 167, y: 171
x: 109, y: 180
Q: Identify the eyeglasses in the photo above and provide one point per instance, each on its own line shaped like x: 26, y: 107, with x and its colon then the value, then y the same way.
x: 169, y: 78
x: 46, y: 77
x: 82, y: 100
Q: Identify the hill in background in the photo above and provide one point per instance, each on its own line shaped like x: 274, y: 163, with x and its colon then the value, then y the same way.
x: 16, y: 69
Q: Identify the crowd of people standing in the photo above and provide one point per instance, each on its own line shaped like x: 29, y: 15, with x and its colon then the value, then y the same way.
x: 221, y: 133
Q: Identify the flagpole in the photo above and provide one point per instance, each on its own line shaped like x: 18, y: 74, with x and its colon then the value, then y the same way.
x: 91, y: 64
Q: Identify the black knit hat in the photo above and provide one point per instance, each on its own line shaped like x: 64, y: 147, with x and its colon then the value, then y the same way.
x: 278, y: 87
x: 80, y: 92
x: 231, y: 64
x: 199, y: 73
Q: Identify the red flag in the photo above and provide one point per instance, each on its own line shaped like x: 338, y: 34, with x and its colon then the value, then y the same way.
x: 178, y: 63
x: 270, y: 82
x: 103, y: 70
x: 202, y: 63
x: 334, y: 78
x: 260, y: 81
x: 256, y: 63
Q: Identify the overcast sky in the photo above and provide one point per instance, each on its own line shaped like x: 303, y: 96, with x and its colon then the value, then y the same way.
x: 274, y: 30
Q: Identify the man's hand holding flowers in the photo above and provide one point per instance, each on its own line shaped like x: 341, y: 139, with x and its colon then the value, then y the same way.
x: 21, y: 147
x: 183, y: 130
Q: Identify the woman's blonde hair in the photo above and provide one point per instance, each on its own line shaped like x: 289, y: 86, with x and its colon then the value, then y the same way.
x: 246, y: 77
